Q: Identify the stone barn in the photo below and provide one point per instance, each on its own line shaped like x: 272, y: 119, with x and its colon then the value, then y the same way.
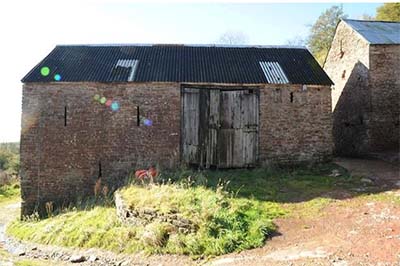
x: 364, y: 63
x: 92, y: 111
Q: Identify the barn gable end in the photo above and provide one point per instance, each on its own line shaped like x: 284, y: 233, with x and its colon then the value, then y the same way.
x: 364, y: 63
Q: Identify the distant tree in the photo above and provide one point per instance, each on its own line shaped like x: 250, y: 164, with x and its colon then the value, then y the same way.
x: 366, y: 17
x: 296, y: 41
x: 233, y: 37
x: 388, y: 12
x: 323, y: 31
x: 9, y: 158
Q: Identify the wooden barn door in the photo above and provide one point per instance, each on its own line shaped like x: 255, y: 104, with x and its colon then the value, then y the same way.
x: 238, y: 133
x: 220, y: 127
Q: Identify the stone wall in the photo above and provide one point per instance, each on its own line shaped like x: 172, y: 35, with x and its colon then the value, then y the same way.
x: 384, y: 83
x: 62, y: 162
x: 366, y: 93
x: 69, y: 140
x: 347, y: 65
x: 131, y: 216
x: 295, y: 124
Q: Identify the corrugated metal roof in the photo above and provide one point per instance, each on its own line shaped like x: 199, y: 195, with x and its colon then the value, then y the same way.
x: 177, y: 63
x: 377, y: 32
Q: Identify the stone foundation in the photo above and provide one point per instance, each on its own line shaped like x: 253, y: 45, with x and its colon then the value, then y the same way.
x: 144, y: 217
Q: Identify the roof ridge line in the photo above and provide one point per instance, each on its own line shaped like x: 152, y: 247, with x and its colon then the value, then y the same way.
x: 363, y: 20
x: 185, y: 45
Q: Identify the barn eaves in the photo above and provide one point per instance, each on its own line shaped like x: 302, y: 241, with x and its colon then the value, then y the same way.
x: 273, y: 72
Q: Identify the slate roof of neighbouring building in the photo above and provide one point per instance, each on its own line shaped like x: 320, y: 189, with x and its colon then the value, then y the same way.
x: 177, y: 63
x: 376, y: 32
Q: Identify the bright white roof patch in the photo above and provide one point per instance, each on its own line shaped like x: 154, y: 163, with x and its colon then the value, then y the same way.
x: 132, y: 63
x: 273, y: 72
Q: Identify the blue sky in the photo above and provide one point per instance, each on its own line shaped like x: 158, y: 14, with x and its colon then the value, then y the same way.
x: 30, y: 29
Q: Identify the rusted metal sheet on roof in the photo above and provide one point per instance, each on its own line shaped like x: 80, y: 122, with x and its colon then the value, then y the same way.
x: 377, y: 32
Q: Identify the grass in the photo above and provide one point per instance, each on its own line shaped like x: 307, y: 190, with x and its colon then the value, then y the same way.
x: 9, y: 193
x: 278, y: 185
x: 225, y: 224
x: 387, y: 196
x: 234, y: 216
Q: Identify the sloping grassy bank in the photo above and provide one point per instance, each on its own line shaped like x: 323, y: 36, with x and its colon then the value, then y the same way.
x: 236, y: 216
x: 225, y: 223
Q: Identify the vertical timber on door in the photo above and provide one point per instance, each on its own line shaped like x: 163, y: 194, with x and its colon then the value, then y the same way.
x: 238, y: 133
x: 190, y: 127
x: 220, y: 127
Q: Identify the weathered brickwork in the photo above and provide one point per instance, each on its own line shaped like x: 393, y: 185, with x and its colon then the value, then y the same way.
x: 365, y: 98
x: 60, y: 163
x: 295, y: 124
x: 64, y: 153
x: 384, y: 82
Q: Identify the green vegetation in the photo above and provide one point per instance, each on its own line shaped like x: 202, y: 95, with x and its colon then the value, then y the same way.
x: 323, y: 31
x: 9, y: 158
x: 387, y: 196
x: 273, y: 184
x: 388, y: 12
x: 225, y: 224
x: 232, y: 210
x: 9, y: 192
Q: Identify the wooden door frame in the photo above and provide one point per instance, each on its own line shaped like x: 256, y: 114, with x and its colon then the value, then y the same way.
x: 184, y: 86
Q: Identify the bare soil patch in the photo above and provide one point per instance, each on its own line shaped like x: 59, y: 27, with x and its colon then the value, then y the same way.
x: 351, y: 230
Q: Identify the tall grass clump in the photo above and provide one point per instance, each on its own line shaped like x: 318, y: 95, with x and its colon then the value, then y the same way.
x: 225, y: 223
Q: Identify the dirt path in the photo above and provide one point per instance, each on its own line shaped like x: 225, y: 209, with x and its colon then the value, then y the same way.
x: 353, y: 231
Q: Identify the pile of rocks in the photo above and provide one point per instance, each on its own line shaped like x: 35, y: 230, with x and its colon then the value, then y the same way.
x: 146, y: 216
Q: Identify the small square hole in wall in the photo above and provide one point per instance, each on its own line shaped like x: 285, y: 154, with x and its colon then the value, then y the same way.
x: 291, y: 97
x: 251, y: 91
x: 344, y: 74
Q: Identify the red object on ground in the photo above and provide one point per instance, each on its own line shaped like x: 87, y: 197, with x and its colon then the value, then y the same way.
x: 143, y: 174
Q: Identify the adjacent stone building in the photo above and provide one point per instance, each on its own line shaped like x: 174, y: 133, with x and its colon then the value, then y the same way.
x: 95, y: 111
x: 364, y: 64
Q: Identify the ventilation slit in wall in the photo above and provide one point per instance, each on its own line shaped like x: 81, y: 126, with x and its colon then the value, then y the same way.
x: 291, y: 97
x: 65, y: 116
x: 137, y: 116
x: 100, y: 174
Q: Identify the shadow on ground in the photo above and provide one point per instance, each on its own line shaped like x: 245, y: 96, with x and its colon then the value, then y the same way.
x: 337, y: 180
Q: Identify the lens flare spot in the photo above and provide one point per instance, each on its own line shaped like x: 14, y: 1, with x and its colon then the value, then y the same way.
x: 57, y: 77
x: 96, y: 97
x: 103, y: 100
x: 45, y: 71
x: 108, y: 103
x: 115, y: 106
x: 147, y: 122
